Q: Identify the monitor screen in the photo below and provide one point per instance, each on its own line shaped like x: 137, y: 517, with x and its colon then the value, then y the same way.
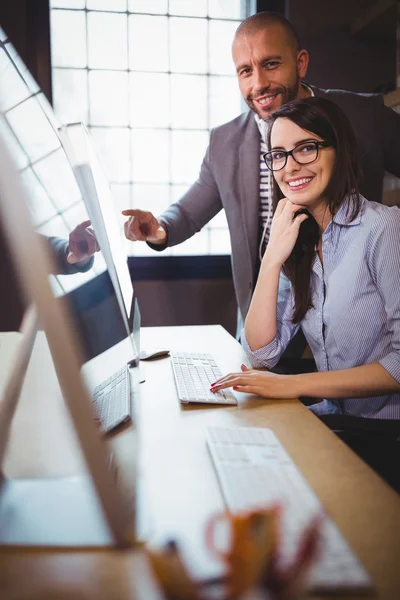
x: 60, y: 199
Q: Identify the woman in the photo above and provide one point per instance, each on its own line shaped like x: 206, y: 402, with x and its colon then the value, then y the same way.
x: 341, y: 255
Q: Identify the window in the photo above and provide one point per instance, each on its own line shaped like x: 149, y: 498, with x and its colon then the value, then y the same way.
x: 149, y: 78
x: 27, y: 124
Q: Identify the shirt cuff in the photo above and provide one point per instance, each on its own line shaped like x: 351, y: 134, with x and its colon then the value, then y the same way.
x: 391, y: 362
x: 265, y: 357
x: 160, y: 247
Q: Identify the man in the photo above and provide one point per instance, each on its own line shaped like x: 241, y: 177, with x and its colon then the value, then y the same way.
x: 270, y: 66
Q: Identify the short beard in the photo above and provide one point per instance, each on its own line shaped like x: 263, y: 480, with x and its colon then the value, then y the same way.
x: 288, y: 94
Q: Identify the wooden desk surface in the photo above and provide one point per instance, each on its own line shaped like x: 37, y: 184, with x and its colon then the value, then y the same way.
x: 177, y: 478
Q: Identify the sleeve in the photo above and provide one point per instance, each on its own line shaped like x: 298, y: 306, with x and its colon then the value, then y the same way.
x: 384, y: 263
x: 269, y: 355
x: 195, y: 209
x: 390, y: 128
x: 59, y: 249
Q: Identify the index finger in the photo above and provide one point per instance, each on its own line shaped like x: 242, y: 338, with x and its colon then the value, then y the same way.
x: 132, y: 212
x: 82, y: 226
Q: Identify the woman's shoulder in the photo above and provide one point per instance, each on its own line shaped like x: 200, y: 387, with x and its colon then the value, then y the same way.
x: 380, y: 219
x: 375, y: 212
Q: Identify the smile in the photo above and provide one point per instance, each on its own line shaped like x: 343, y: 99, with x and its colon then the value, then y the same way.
x: 296, y: 183
x: 266, y: 100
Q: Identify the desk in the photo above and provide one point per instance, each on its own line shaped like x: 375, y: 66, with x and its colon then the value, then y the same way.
x: 178, y: 478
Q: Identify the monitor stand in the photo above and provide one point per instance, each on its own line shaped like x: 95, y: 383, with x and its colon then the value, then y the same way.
x: 59, y: 512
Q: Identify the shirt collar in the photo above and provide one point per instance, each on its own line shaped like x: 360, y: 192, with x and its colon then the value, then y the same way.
x: 342, y: 215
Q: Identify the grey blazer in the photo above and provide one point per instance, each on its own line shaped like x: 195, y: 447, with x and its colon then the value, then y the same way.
x: 230, y: 175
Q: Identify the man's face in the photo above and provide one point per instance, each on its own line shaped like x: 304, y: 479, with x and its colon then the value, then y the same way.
x: 269, y: 69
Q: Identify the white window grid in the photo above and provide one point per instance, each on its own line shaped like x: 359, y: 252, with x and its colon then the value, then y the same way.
x: 29, y: 127
x: 149, y: 106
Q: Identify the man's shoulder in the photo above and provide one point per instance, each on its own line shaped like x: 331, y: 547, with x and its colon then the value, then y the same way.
x: 347, y: 98
x: 237, y: 126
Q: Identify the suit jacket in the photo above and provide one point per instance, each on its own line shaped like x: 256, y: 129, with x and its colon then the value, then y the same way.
x: 230, y: 175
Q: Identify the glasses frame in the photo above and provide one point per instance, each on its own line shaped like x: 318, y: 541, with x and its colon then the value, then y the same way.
x: 288, y: 153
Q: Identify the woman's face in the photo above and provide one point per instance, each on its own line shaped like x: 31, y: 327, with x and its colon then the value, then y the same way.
x: 303, y: 184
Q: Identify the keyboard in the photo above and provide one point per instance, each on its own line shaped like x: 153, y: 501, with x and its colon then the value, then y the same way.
x: 194, y: 374
x: 255, y: 471
x: 112, y: 400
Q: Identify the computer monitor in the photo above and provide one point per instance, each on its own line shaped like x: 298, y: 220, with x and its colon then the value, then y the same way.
x: 102, y: 299
x: 38, y: 190
x: 99, y: 203
x: 25, y: 513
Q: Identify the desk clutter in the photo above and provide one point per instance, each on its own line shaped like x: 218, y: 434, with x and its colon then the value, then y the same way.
x: 251, y: 558
x: 274, y: 540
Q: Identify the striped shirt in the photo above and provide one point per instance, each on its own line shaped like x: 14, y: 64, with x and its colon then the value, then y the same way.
x: 355, y: 317
x: 265, y: 211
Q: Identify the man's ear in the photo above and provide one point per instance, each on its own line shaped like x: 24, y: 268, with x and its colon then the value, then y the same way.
x: 302, y: 63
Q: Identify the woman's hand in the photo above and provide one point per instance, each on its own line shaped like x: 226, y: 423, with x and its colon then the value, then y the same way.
x: 285, y: 228
x: 263, y: 383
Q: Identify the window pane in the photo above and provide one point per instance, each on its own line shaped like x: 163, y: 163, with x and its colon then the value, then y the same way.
x: 177, y: 191
x: 219, y: 221
x: 188, y: 149
x: 148, y: 6
x: 107, y: 41
x: 189, y: 101
x: 13, y: 88
x: 122, y: 196
x: 188, y: 45
x: 56, y: 227
x: 188, y: 9
x: 24, y: 72
x: 117, y: 5
x: 197, y: 244
x: 155, y: 198
x: 75, y: 215
x: 70, y: 98
x: 112, y: 146
x: 220, y: 242
x: 67, y: 3
x: 32, y: 129
x: 148, y: 43
x: 226, y: 9
x: 64, y: 53
x: 150, y: 156
x: 149, y: 97
x: 56, y: 176
x: 19, y: 156
x: 225, y: 101
x: 221, y: 37
x: 108, y: 98
x: 41, y: 207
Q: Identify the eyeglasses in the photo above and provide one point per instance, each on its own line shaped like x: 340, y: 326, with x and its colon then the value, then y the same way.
x: 304, y: 154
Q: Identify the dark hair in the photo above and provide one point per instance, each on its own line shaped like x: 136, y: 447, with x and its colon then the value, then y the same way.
x: 326, y: 120
x: 266, y: 18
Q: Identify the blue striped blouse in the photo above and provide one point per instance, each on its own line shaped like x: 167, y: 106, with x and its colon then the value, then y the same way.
x: 357, y: 320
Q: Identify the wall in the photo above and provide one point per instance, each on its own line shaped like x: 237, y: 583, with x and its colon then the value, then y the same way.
x: 339, y: 58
